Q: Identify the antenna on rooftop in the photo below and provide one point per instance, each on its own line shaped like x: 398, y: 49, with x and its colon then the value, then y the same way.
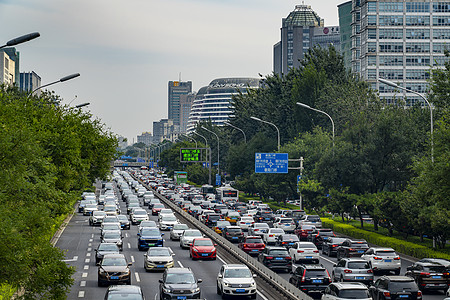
x: 180, y: 78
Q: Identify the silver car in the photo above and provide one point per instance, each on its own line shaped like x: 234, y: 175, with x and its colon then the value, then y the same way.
x: 158, y: 258
x: 188, y: 236
x: 177, y: 231
x: 345, y: 291
x: 113, y: 236
x: 353, y: 270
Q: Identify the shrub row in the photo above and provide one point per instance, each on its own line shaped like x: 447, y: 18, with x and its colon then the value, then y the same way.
x: 400, y: 246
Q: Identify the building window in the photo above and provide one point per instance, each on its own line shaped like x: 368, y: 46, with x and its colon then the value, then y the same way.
x: 417, y: 47
x: 372, y: 34
x: 391, y: 47
x: 417, y: 20
x: 417, y: 74
x: 440, y: 60
x: 372, y: 60
x: 372, y: 74
x: 391, y: 20
x: 417, y: 7
x: 441, y: 7
x: 371, y: 20
x: 390, y: 7
x: 372, y: 7
x: 390, y: 60
x: 440, y: 47
x: 396, y: 34
x: 417, y: 60
x: 441, y: 34
x: 418, y: 34
x: 372, y: 47
x: 441, y: 20
x: 391, y: 74
x: 416, y: 86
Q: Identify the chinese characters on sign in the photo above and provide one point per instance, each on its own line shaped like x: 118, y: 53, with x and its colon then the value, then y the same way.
x: 271, y: 162
x: 190, y: 155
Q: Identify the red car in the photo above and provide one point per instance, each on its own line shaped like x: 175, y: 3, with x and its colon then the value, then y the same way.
x: 252, y: 245
x: 202, y: 248
x: 157, y: 208
x: 304, y: 232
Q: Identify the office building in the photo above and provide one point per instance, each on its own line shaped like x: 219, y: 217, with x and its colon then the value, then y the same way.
x: 345, y: 26
x: 301, y: 30
x: 214, y: 102
x: 399, y: 40
x: 29, y: 81
x: 13, y: 56
x: 164, y: 129
x: 146, y: 138
x: 7, y: 69
x: 176, y: 89
x: 185, y: 109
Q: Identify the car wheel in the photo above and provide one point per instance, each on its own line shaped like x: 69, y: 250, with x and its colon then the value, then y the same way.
x: 253, y: 296
x: 219, y: 292
x: 397, y: 272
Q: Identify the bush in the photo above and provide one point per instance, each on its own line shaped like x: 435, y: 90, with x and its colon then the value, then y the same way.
x: 400, y: 246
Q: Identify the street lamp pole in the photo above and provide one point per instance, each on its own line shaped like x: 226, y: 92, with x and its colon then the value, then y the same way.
x: 278, y: 131
x: 82, y: 105
x: 189, y: 137
x: 60, y: 80
x: 206, y: 145
x: 231, y: 125
x: 314, y: 109
x: 21, y: 39
x: 390, y: 83
x: 218, y: 148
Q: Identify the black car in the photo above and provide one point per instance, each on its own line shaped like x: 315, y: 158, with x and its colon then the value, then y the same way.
x: 124, y: 222
x: 276, y: 258
x: 320, y: 235
x: 124, y: 291
x: 352, y: 248
x: 395, y: 287
x: 330, y: 245
x: 179, y: 283
x: 233, y: 234
x: 114, y: 269
x: 264, y: 216
x: 310, y: 279
x: 287, y: 240
x: 429, y: 275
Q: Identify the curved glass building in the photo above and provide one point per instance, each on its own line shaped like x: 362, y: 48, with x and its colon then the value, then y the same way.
x: 214, y: 101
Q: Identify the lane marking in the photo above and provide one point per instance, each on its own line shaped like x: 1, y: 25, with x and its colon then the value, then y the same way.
x: 89, y: 249
x: 156, y: 296
x: 81, y: 294
x: 90, y: 245
x: 129, y: 246
x: 87, y: 260
x: 328, y: 260
x: 86, y: 267
x: 138, y: 279
x: 92, y: 235
x: 132, y: 258
x: 88, y: 254
x: 83, y: 283
x: 75, y: 258
x: 179, y: 263
x: 220, y: 258
x: 126, y: 235
x: 91, y: 240
x: 84, y: 275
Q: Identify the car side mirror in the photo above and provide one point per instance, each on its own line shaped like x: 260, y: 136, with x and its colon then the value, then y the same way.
x: 254, y: 275
x: 160, y: 281
x: 220, y: 276
x: 162, y: 234
x: 334, y: 265
x: 130, y: 264
x: 138, y: 234
x: 199, y: 280
x: 190, y: 244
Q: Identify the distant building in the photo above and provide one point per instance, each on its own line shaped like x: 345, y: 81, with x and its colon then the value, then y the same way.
x: 164, y: 129
x: 123, y: 143
x: 7, y: 69
x: 14, y: 56
x: 345, y: 26
x: 29, y: 81
x: 176, y: 89
x: 146, y: 138
x: 185, y: 109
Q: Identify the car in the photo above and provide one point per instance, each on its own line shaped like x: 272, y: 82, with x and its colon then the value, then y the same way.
x: 83, y: 203
x: 111, y: 219
x: 330, y: 245
x: 236, y: 280
x: 188, y: 236
x: 103, y: 249
x: 383, y: 259
x: 181, y: 280
x: 111, y: 210
x: 245, y: 222
x: 153, y: 202
x: 429, y: 276
x: 164, y: 211
x: 252, y: 245
x: 232, y: 217
x: 211, y: 219
x: 304, y: 252
x: 89, y: 208
x: 286, y: 240
x: 311, y: 220
x: 113, y: 236
x: 115, y: 292
x: 395, y: 287
x: 351, y: 248
x: 353, y: 269
x: 202, y: 248
x: 220, y: 225
x: 96, y: 218
x: 124, y: 222
x: 157, y: 208
x: 287, y: 224
x: 138, y: 215
x: 319, y: 235
x: 347, y: 290
x: 442, y: 261
x: 132, y: 205
x: 276, y: 258
x: 264, y: 216
x: 233, y: 234
x: 158, y: 258
x: 167, y: 222
x: 270, y: 237
x: 149, y: 223
x: 177, y: 231
x: 310, y: 279
x: 114, y: 269
x: 258, y: 229
x: 304, y: 231
x: 149, y: 237
x: 109, y: 227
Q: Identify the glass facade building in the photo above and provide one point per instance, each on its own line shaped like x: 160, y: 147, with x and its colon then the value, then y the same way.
x: 345, y: 26
x: 176, y: 89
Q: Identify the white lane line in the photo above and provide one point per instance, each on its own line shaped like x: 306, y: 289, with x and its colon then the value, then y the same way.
x: 138, y: 279
x: 86, y: 267
x: 220, y: 258
x: 81, y: 294
x: 87, y: 260
x: 126, y: 235
x: 84, y: 275
x: 129, y: 246
x: 90, y: 245
x: 92, y: 235
x: 91, y: 240
x: 332, y: 262
x: 132, y: 259
x: 75, y: 258
x: 89, y: 249
x: 88, y: 254
x: 181, y: 265
x: 156, y: 295
x: 83, y: 283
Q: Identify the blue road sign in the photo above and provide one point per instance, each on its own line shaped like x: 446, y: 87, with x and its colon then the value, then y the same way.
x: 299, y: 177
x: 218, y: 180
x: 271, y: 162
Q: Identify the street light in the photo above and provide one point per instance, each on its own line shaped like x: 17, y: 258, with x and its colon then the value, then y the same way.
x: 390, y: 83
x: 21, y: 39
x: 314, y: 109
x: 218, y: 149
x: 189, y: 137
x: 231, y: 125
x: 206, y: 145
x: 68, y: 77
x: 82, y: 105
x: 278, y: 131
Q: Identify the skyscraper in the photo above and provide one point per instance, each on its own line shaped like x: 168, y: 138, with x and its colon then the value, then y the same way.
x: 185, y: 110
x: 176, y: 89
x: 7, y: 68
x: 29, y: 81
x: 345, y: 26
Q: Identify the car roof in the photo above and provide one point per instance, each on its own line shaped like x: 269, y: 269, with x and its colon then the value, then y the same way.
x: 275, y: 248
x: 311, y: 267
x: 350, y: 285
x: 235, y: 266
x: 354, y: 259
x: 178, y: 270
x: 382, y: 249
x: 397, y: 278
x: 233, y: 227
x: 128, y: 289
x: 115, y: 255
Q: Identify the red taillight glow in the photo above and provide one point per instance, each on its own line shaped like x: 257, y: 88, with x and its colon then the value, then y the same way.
x: 419, y: 294
x: 387, y: 294
x: 424, y: 273
x: 300, y: 251
x: 316, y: 251
x: 347, y: 271
x: 369, y: 271
x: 269, y: 257
x: 288, y: 258
x: 377, y: 258
x: 304, y: 275
x: 397, y: 258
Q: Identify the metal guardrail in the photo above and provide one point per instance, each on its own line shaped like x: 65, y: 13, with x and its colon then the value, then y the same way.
x: 278, y: 282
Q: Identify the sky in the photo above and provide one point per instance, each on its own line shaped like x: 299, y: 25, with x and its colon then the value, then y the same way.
x: 128, y: 51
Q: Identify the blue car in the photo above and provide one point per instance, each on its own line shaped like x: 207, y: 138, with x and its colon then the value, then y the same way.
x: 150, y: 237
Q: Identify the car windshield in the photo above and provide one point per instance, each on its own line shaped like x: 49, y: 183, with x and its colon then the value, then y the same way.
x: 158, y: 205
x: 223, y: 223
x: 313, y: 219
x: 317, y: 273
x: 297, y: 214
x: 359, y: 245
x: 122, y: 218
x: 234, y: 229
x: 203, y: 243
x: 261, y: 225
x: 358, y: 265
x: 148, y: 224
x: 109, y: 208
x: 91, y: 205
x: 169, y: 218
x: 111, y: 227
x: 286, y: 221
x: 112, y: 235
x: 110, y: 220
x: 180, y: 278
x: 158, y: 252
x: 254, y: 240
x: 123, y: 296
x: 434, y: 269
x: 354, y: 294
x: 234, y: 214
x: 306, y: 245
x: 279, y: 252
x: 155, y: 201
x: 108, y: 247
x: 133, y: 204
x: 150, y: 232
x: 237, y: 273
x: 180, y: 227
x: 192, y: 233
x: 276, y: 230
x: 214, y: 217
x: 385, y: 253
x: 114, y: 261
x: 99, y: 213
x: 140, y: 212
x: 399, y: 286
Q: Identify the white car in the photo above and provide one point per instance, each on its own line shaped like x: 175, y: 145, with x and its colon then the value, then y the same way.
x: 236, y: 280
x: 166, y: 222
x: 270, y: 237
x: 287, y: 224
x: 345, y: 291
x: 164, y: 211
x: 383, y: 259
x: 311, y: 220
x: 245, y: 223
x: 177, y: 231
x: 258, y: 229
x: 188, y: 236
x: 148, y: 223
x: 304, y: 251
x: 138, y: 215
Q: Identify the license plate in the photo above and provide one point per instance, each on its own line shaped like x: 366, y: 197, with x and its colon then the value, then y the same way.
x: 360, y: 251
x: 247, y: 223
x: 160, y: 266
x: 204, y: 254
x: 317, y: 281
x: 291, y: 243
x: 403, y: 296
x: 255, y: 250
x: 234, y: 237
x: 181, y: 297
x: 359, y: 278
x: 114, y: 277
x: 278, y: 258
x: 240, y: 290
x: 388, y: 260
x: 436, y: 277
x: 151, y: 245
x: 309, y: 257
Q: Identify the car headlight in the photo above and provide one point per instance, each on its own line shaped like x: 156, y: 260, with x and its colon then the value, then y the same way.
x: 195, y: 290
x: 101, y: 271
x: 226, y: 284
x: 166, y: 290
x: 195, y: 250
x: 253, y: 284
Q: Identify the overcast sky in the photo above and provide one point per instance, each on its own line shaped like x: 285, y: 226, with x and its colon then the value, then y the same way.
x: 127, y: 51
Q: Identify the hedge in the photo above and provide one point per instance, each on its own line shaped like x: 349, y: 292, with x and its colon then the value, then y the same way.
x: 400, y: 246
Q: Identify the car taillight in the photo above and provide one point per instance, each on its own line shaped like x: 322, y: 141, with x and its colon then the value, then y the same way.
x: 271, y: 235
x: 300, y: 251
x: 288, y: 257
x: 377, y: 258
x: 316, y: 251
x: 256, y: 229
x: 334, y: 246
x: 329, y: 277
x: 397, y: 258
x: 304, y: 276
x: 227, y: 233
x: 446, y: 274
x: 269, y: 257
x: 369, y: 271
x: 351, y: 249
x: 284, y: 243
x: 387, y: 294
x: 348, y: 271
x: 419, y: 295
x: 424, y: 273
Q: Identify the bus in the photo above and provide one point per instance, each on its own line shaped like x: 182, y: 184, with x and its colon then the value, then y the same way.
x: 227, y: 193
x: 207, y: 189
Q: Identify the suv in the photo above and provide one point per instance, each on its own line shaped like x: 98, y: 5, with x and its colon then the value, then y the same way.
x: 114, y: 268
x: 252, y: 245
x: 310, y: 279
x: 350, y: 290
x: 318, y: 236
x: 429, y: 276
x: 330, y: 245
x: 351, y: 248
x: 233, y: 233
x: 276, y: 258
x: 179, y: 283
x: 395, y: 287
x: 353, y: 269
x: 97, y: 217
x: 236, y: 280
x: 311, y: 220
x: 287, y: 224
x: 383, y: 259
x: 264, y: 216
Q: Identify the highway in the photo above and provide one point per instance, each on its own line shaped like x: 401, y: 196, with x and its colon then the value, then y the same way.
x: 79, y: 240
